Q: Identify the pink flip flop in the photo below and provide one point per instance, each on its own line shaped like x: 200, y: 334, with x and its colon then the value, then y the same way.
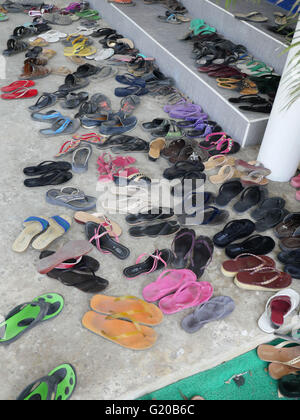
x: 168, y: 282
x: 188, y: 295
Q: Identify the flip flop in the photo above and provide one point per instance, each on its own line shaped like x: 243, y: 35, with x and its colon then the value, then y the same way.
x: 216, y: 309
x: 112, y: 227
x: 255, y: 17
x: 47, y: 99
x: 149, y: 216
x: 250, y: 197
x: 34, y: 226
x: 268, y: 205
x: 255, y: 245
x: 71, y: 250
x: 263, y: 279
x: 188, y: 295
x: 18, y: 85
x: 289, y: 386
x: 202, y: 255
x: 235, y: 229
x: 228, y: 191
x: 58, y: 226
x: 127, y: 334
x: 129, y: 307
x: 61, y: 126
x: 80, y: 159
x: 225, y: 173
x: 182, y: 247
x: 218, y: 160
x: 100, y: 238
x: 155, y: 230
x: 55, y: 177
x: 71, y: 198
x: 245, y: 262
x: 58, y: 385
x: 156, y: 261
x: 168, y: 282
x: 20, y: 94
x: 288, y: 357
x: 27, y: 315
x: 270, y: 219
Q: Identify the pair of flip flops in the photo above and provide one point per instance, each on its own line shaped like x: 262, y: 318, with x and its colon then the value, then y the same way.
x: 177, y: 290
x: 153, y: 223
x: 124, y: 320
x: 21, y: 89
x: 48, y: 173
x: 41, y: 232
x: 123, y: 143
x: 61, y: 125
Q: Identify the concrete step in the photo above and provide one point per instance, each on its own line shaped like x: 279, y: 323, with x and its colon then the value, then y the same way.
x: 173, y: 56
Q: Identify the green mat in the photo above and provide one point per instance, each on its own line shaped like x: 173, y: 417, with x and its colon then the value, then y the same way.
x: 211, y: 384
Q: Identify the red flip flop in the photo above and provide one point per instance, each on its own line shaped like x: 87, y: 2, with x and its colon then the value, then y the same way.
x: 246, y: 262
x: 22, y: 93
x: 18, y: 85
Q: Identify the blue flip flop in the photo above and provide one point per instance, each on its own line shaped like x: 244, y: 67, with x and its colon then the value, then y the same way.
x: 131, y: 90
x: 47, y: 117
x: 118, y: 125
x: 61, y: 126
x: 130, y: 80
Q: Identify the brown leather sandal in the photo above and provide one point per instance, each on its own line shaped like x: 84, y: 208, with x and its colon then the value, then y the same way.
x: 34, y: 71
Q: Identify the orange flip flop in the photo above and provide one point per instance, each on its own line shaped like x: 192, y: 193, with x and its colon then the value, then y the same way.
x: 112, y: 227
x: 278, y: 371
x: 127, y: 334
x: 129, y: 307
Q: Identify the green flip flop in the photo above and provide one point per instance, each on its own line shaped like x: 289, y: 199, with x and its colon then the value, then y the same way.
x: 196, y: 24
x: 3, y: 17
x: 27, y: 315
x: 89, y: 14
x: 58, y: 385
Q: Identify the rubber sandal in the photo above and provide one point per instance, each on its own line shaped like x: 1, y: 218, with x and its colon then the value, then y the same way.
x: 155, y: 148
x: 58, y: 226
x: 149, y: 216
x: 58, y: 385
x: 250, y: 197
x: 73, y: 100
x: 268, y: 205
x: 255, y: 245
x: 182, y: 247
x: 156, y: 261
x: 202, y: 255
x: 20, y: 94
x: 61, y: 127
x: 245, y: 262
x: 255, y: 17
x: 214, y: 216
x: 127, y: 334
x: 129, y: 307
x: 168, y: 282
x: 182, y: 168
x: 228, y: 191
x: 118, y: 125
x: 188, y: 295
x: 236, y: 229
x: 73, y: 83
x: 270, y: 219
x: 155, y: 230
x: 100, y: 238
x: 263, y: 279
x: 217, y: 308
x: 81, y: 158
x: 278, y: 308
x: 71, y: 198
x: 54, y: 177
x: 15, y: 47
x: 26, y: 316
x: 44, y: 101
x: 21, y: 84
x: 33, y: 226
x: 218, y: 160
x: 45, y: 167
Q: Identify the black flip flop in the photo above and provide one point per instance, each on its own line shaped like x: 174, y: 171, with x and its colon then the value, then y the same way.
x: 73, y: 100
x: 99, y: 237
x: 250, y: 197
x: 55, y: 177
x: 228, y: 191
x: 271, y: 219
x: 149, y: 216
x: 255, y: 244
x: 181, y: 168
x: 262, y: 109
x: 214, y: 216
x: 293, y: 270
x: 234, y: 230
x: 202, y: 255
x: 47, y: 166
x: 155, y: 230
x: 290, y: 257
x: 47, y: 99
x: 157, y: 261
x: 182, y: 247
x: 267, y: 205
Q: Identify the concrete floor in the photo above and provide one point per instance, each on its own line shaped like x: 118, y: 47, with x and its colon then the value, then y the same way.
x: 105, y: 370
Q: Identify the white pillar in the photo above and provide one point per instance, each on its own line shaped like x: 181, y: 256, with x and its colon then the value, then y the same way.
x: 280, y: 149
